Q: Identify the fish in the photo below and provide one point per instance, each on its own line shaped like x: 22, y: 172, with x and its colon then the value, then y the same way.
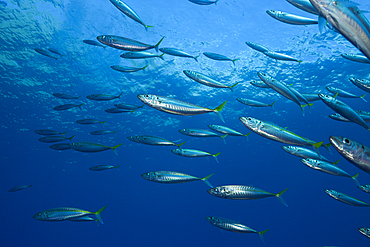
x: 279, y: 134
x: 60, y: 146
x: 66, y: 213
x: 341, y: 17
x: 353, y: 151
x: 47, y: 132
x: 129, y: 106
x: 203, y: 2
x: 254, y: 103
x: 127, y: 69
x: 55, y: 51
x: 243, y: 192
x: 341, y: 93
x: 92, y: 147
x: 304, y: 5
x: 170, y: 177
x: 290, y: 18
x: 51, y: 139
x: 65, y: 96
x: 126, y: 44
x: 178, y: 53
x: 102, y: 167
x: 365, y: 231
x: 310, y: 97
x: 227, y: 131
x: 344, y: 110
x: 363, y: 114
x: 116, y: 110
x: 46, y: 53
x: 355, y: 58
x: 83, y: 219
x: 141, y: 55
x: 233, y: 226
x: 178, y: 107
x: 365, y: 188
x: 128, y: 11
x: 257, y: 47
x: 219, y: 57
x: 102, y: 132
x: 346, y: 198
x: 89, y: 121
x: 205, y: 80
x: 93, y: 42
x: 103, y: 97
x: 281, y: 56
x: 361, y: 83
x: 260, y: 84
x: 281, y: 88
x: 18, y: 188
x: 153, y: 140
x: 67, y: 107
x: 329, y: 168
x: 201, y: 133
x: 193, y: 153
x: 303, y: 153
x: 300, y: 97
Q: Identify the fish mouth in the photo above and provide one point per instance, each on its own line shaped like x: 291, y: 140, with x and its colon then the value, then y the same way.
x: 335, y: 140
x: 322, y: 96
x: 352, y: 79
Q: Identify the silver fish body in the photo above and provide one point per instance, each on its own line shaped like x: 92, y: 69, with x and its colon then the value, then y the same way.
x: 226, y: 130
x: 257, y: 47
x: 89, y: 121
x: 60, y: 146
x: 18, y: 188
x: 290, y: 18
x: 254, y: 103
x: 344, y: 94
x: 115, y: 110
x: 102, y: 167
x: 102, y: 132
x: 171, y: 177
x: 363, y: 114
x: 127, y: 69
x: 356, y: 58
x: 260, y: 84
x: 346, y: 198
x: 304, y: 5
x: 66, y: 107
x: 91, y: 147
x: 203, y: 2
x: 219, y: 57
x: 141, y: 55
x: 281, y: 56
x: 128, y: 106
x: 178, y: 53
x: 126, y: 44
x: 152, y: 140
x: 205, y: 80
x: 361, y: 83
x: 303, y: 153
x: 46, y: 53
x: 48, y: 132
x: 193, y: 153
x: 51, y: 139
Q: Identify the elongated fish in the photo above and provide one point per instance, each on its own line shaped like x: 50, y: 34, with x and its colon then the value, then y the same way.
x: 355, y: 58
x: 344, y: 110
x: 21, y: 187
x: 141, y: 55
x: 193, y: 153
x: 126, y: 44
x: 281, y: 56
x: 341, y: 93
x: 329, y: 168
x: 67, y: 107
x: 290, y: 18
x: 341, y: 17
x: 363, y: 114
x: 177, y: 107
x: 243, y: 192
x: 303, y: 153
x: 361, y: 84
x: 89, y: 121
x: 219, y: 57
x: 365, y: 231
x: 129, y: 106
x: 46, y: 53
x: 254, y: 103
x: 103, y: 97
x: 65, y: 96
x: 233, y: 226
x: 60, y: 214
x: 201, y: 133
x: 205, y: 80
x: 257, y: 47
x: 60, y: 146
x: 304, y: 5
x: 355, y: 152
x: 102, y: 167
x: 102, y: 132
x: 127, y: 10
x: 55, y: 51
x: 203, y: 2
x: 170, y: 177
x: 276, y: 133
x: 51, y: 139
x: 260, y: 84
x: 227, y: 131
x: 47, y: 132
x: 153, y: 140
x: 346, y: 198
x: 127, y: 69
x: 83, y: 219
x: 115, y: 110
x: 93, y: 42
x: 92, y: 147
x: 178, y: 53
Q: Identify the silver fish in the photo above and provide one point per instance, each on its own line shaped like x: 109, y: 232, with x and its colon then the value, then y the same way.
x: 153, y: 140
x: 51, y: 139
x: 233, y: 226
x: 177, y: 107
x: 365, y: 231
x: 365, y: 188
x: 344, y: 110
x: 260, y: 84
x: 116, y: 110
x: 103, y: 97
x: 304, y: 153
x: 126, y: 44
x: 346, y: 198
x: 47, y: 132
x: 205, y: 80
x: 60, y: 146
x: 129, y: 106
x: 361, y: 83
x: 169, y: 177
x: 290, y: 18
x: 102, y: 167
x: 127, y: 69
x: 67, y: 107
x: 55, y: 51
x: 219, y: 57
x: 243, y: 192
x: 363, y: 114
x: 65, y: 96
x: 356, y: 58
x: 254, y: 103
x: 203, y: 2
x: 46, y: 53
x: 178, y: 53
x: 89, y: 121
x: 257, y: 47
x: 92, y: 147
x: 355, y: 152
x: 102, y: 132
x: 201, y: 133
x: 193, y: 153
x: 227, y: 131
x: 344, y: 94
x: 141, y: 55
x: 281, y: 56
x: 18, y: 188
x: 304, y: 5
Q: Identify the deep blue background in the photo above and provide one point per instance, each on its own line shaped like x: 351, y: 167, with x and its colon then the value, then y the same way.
x: 142, y: 213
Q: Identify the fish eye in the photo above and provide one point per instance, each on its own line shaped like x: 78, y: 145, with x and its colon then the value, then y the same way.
x: 346, y: 141
x: 148, y: 174
x: 216, y: 190
x: 249, y: 118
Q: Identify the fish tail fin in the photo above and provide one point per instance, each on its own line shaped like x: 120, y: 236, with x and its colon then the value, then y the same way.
x: 309, y: 106
x: 279, y: 196
x: 157, y: 45
x: 103, y: 122
x: 63, y: 133
x: 218, y: 110
x: 234, y: 60
x: 223, y: 138
x: 336, y: 95
x: 30, y: 185
x: 322, y: 23
x: 362, y: 97
x: 79, y: 106
x: 354, y: 177
x: 97, y: 214
x: 336, y: 162
x: 316, y: 146
x: 262, y: 233
x: 145, y: 67
x: 246, y: 135
x: 272, y: 104
x: 215, y: 155
x: 146, y: 27
x: 161, y: 56
x: 114, y: 132
x: 78, y: 97
x: 115, y: 147
x: 205, y: 179
x: 180, y: 144
x: 196, y: 58
x: 117, y: 167
x: 299, y: 61
x: 104, y: 46
x: 119, y: 96
x: 232, y: 87
x: 302, y: 108
x: 71, y: 137
x: 327, y: 147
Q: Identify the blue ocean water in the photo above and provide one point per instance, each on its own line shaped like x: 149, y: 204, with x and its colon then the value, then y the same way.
x: 142, y: 213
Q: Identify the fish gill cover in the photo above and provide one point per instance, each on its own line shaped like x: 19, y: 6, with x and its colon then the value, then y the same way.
x: 142, y: 213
